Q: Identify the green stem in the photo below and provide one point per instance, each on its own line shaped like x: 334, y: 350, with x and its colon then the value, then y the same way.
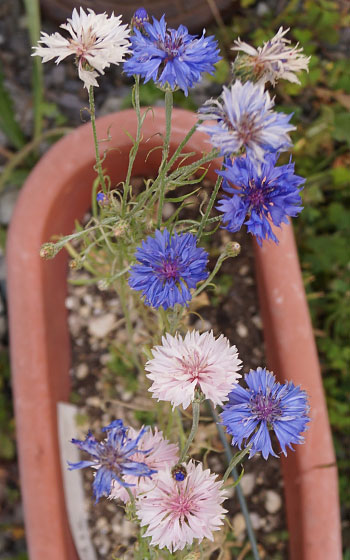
x: 97, y: 151
x: 180, y: 146
x: 128, y: 324
x: 209, y: 207
x: 121, y: 291
x: 135, y: 147
x: 164, y: 321
x: 163, y: 165
x: 175, y: 319
x: 211, y: 276
x: 132, y: 499
x: 195, y: 422
x: 182, y: 435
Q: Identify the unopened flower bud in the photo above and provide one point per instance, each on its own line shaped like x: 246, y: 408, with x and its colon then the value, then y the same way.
x: 120, y: 228
x: 179, y: 473
x: 48, y: 251
x: 76, y: 264
x: 243, y: 69
x: 102, y: 199
x: 139, y: 18
x: 232, y: 249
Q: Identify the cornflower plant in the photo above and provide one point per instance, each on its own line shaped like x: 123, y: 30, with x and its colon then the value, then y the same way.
x: 157, y: 266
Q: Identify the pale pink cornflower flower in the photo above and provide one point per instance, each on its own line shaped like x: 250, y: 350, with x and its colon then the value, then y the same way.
x: 176, y: 513
x: 180, y: 366
x: 275, y: 60
x: 96, y: 40
x: 161, y: 454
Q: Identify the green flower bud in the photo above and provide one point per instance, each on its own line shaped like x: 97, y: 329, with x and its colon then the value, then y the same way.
x: 48, y: 251
x: 232, y: 249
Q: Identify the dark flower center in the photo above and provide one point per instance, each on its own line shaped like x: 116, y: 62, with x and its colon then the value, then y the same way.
x: 170, y: 45
x: 256, y: 193
x: 194, y: 366
x: 265, y: 407
x: 111, y: 458
x: 169, y: 269
x: 246, y: 127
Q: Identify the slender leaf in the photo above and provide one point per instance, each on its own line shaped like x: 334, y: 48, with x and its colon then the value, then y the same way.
x: 8, y: 123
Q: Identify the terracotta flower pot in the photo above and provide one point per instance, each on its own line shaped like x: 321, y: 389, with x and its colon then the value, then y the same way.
x: 55, y: 194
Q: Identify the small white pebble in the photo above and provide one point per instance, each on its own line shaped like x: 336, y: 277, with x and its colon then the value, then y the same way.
x: 241, y: 330
x: 257, y: 321
x: 104, y: 549
x: 71, y: 302
x: 273, y: 502
x: 243, y: 270
x: 105, y: 359
x: 89, y: 300
x: 256, y: 520
x: 82, y: 371
x: 74, y: 323
x: 101, y: 326
x: 247, y: 483
x: 101, y: 523
x: 94, y: 401
x: 239, y: 527
x: 84, y: 311
x: 168, y: 210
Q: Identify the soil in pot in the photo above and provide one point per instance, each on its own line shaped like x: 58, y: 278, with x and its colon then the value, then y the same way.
x: 104, y: 390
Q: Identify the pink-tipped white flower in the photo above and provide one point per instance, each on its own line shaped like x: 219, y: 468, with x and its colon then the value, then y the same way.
x: 176, y: 513
x: 198, y: 361
x: 161, y: 454
x: 275, y: 60
x: 96, y: 40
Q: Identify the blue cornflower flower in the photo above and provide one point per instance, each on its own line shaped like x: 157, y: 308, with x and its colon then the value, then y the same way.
x: 244, y: 118
x: 265, y: 405
x: 171, y: 56
x: 111, y: 457
x: 168, y: 268
x: 102, y: 198
x: 269, y: 194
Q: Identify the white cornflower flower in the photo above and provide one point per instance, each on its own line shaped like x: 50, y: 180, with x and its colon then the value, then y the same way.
x: 198, y: 361
x: 275, y: 60
x: 243, y: 117
x: 96, y: 40
x: 178, y: 510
